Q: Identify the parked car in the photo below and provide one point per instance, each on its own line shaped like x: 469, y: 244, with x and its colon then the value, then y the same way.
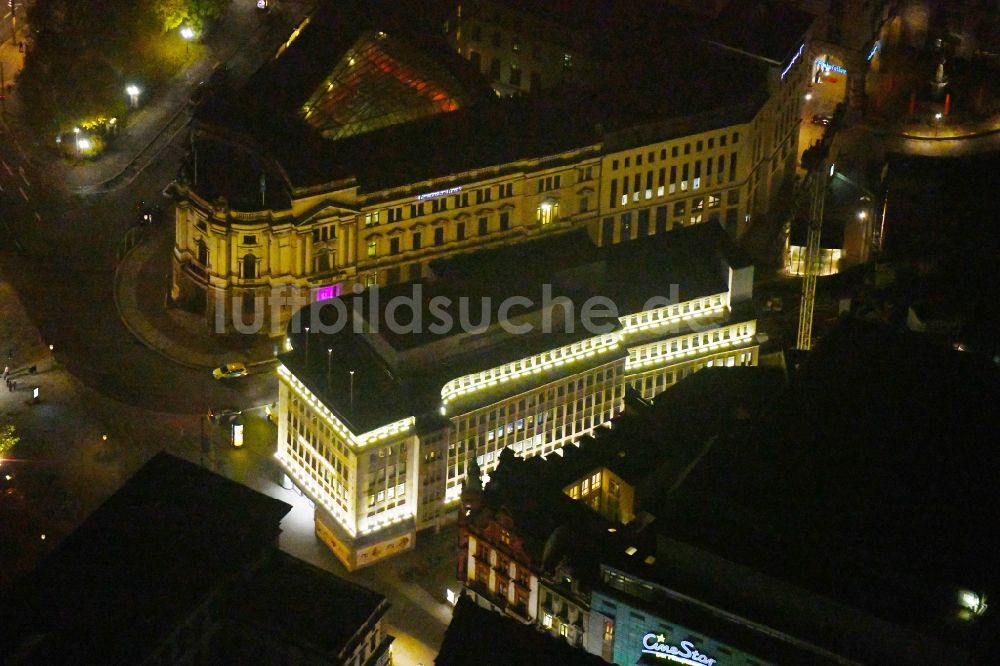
x: 223, y: 414
x: 822, y: 119
x: 230, y: 371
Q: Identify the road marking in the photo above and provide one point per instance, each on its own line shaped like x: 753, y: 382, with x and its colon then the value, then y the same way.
x: 7, y: 166
x: 21, y: 190
x: 20, y: 170
x: 37, y: 216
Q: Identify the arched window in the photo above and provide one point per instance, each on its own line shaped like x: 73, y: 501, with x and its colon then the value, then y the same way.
x: 202, y: 252
x: 248, y: 268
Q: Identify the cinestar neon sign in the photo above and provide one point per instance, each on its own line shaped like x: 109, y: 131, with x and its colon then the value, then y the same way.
x: 830, y: 67
x: 439, y: 193
x: 685, y: 653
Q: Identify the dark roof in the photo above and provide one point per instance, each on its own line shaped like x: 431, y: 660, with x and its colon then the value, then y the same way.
x: 413, y: 367
x: 142, y: 562
x: 484, y: 131
x: 652, y: 447
x: 305, y: 605
x: 480, y: 637
x: 867, y: 483
x: 541, y: 512
x: 769, y: 29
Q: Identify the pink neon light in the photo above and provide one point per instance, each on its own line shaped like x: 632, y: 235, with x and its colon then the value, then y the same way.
x: 328, y: 292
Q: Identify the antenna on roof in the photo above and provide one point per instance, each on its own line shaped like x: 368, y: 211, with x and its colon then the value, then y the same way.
x: 351, y: 394
x: 263, y: 189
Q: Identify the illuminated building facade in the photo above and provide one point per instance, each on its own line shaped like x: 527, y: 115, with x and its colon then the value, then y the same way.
x: 381, y: 428
x: 381, y: 166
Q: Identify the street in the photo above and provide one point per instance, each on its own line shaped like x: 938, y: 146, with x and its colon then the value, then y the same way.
x: 108, y: 401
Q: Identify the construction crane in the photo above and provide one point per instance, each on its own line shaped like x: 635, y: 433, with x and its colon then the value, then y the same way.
x: 814, y: 160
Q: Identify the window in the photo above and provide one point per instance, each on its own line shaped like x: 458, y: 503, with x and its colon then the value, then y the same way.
x: 250, y: 240
x: 722, y: 140
x: 371, y: 219
x: 483, y: 226
x: 736, y: 137
x: 687, y: 148
x: 698, y: 146
x: 547, y: 212
x: 714, y: 200
x: 734, y: 196
x: 249, y: 267
x: 439, y: 236
x: 394, y: 245
x: 583, y: 204
x: 698, y: 204
x: 679, y: 208
x: 460, y: 231
x: 567, y: 61
x: 673, y: 151
x: 416, y: 240
x: 515, y: 45
x: 515, y: 75
x: 614, y: 165
x: 372, y: 248
x: 504, y: 221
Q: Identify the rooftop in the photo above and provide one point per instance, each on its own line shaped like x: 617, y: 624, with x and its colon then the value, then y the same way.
x: 145, y: 559
x: 413, y: 362
x: 862, y: 485
x: 307, y: 605
x: 397, y: 106
x: 768, y: 29
x: 480, y: 637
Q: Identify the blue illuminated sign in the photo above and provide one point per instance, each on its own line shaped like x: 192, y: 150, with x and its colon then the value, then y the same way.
x: 439, y: 193
x: 830, y: 67
x: 875, y: 48
x: 684, y: 653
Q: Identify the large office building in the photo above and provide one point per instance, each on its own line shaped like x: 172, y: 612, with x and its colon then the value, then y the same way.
x: 380, y: 420
x: 378, y: 149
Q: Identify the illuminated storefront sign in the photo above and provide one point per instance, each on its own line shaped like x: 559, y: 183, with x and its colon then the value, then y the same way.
x: 830, y: 67
x: 328, y: 292
x: 439, y: 193
x: 875, y: 48
x: 685, y: 653
x: 795, y: 58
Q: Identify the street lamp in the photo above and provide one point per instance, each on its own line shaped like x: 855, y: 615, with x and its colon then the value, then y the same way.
x: 187, y: 34
x: 133, y: 94
x: 329, y: 357
x: 76, y: 132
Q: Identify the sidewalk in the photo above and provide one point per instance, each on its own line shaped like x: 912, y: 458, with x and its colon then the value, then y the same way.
x: 141, y: 283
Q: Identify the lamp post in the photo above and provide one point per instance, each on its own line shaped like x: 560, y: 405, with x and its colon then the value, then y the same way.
x: 187, y: 34
x: 133, y: 94
x: 329, y: 358
x: 76, y: 133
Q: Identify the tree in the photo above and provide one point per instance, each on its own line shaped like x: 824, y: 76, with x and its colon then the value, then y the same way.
x: 195, y: 13
x: 8, y: 439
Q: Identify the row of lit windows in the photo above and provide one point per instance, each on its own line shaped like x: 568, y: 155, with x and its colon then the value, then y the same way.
x: 699, y: 145
x: 690, y: 175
